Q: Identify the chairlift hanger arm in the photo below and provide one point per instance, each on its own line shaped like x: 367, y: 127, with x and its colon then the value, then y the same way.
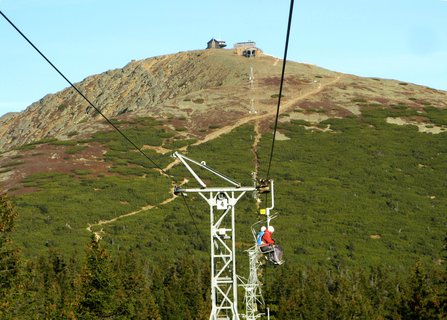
x: 272, y: 190
x: 184, y: 160
x: 217, y: 190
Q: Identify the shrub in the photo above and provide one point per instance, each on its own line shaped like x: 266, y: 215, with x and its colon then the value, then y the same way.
x: 198, y: 100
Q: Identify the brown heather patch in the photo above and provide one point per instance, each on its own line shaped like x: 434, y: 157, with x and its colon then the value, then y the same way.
x: 50, y: 158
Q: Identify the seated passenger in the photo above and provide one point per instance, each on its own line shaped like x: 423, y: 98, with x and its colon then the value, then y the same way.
x: 267, y: 240
x: 259, y: 241
x: 276, y: 255
x: 275, y: 252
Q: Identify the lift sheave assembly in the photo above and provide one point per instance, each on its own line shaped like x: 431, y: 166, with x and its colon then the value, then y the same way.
x: 224, y: 279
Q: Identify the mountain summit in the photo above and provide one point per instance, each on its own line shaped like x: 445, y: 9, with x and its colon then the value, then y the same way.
x: 208, y: 87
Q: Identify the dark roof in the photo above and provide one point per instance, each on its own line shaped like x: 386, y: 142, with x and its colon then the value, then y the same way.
x: 218, y: 41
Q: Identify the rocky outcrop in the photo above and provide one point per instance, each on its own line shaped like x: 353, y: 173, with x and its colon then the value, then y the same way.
x: 140, y: 85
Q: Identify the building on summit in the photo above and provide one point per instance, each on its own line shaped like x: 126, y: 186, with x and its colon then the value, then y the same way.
x: 216, y: 44
x: 247, y: 49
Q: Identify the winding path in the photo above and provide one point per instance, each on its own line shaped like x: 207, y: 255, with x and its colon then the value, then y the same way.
x: 285, y: 107
x: 142, y: 209
x: 213, y: 135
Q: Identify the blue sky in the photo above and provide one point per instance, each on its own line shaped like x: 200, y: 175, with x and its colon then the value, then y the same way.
x: 393, y: 39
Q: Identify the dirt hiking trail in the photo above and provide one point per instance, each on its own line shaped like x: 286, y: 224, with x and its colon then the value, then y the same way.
x: 215, y: 134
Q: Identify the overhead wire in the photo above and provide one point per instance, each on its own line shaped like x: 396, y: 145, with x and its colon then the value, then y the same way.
x: 193, y: 220
x: 289, y: 24
x: 138, y: 148
x: 286, y: 47
x: 104, y: 116
x: 85, y: 98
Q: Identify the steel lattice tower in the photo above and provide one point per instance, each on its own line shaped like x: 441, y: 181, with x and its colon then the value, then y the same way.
x: 222, y: 202
x: 253, y: 294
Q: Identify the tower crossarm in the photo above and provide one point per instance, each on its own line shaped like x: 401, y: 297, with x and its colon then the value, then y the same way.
x: 185, y: 160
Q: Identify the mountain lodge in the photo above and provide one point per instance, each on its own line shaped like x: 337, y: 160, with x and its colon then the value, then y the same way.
x: 247, y: 49
x: 216, y: 44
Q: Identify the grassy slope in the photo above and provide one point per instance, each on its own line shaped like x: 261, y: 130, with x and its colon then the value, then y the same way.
x: 334, y: 190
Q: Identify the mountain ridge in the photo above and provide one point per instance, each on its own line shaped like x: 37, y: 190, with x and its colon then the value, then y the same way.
x: 194, y: 83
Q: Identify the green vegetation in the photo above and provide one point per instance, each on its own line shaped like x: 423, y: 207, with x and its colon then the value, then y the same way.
x: 64, y: 205
x: 336, y: 190
x: 198, y: 100
x: 98, y: 284
x: 75, y: 149
x: 369, y: 194
x: 63, y: 142
x: 141, y: 131
x: 127, y: 285
x: 377, y: 293
x: 9, y: 255
x: 437, y: 116
x: 61, y: 107
x: 361, y: 218
x: 82, y: 172
x: 179, y: 143
x: 12, y: 164
x: 32, y: 145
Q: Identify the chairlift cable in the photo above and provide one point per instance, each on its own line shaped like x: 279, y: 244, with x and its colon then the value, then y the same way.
x: 86, y: 99
x: 277, y: 112
x: 193, y: 220
x: 99, y: 111
x: 281, y: 85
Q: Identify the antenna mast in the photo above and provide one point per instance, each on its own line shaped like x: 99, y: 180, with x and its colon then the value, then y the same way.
x: 251, y: 80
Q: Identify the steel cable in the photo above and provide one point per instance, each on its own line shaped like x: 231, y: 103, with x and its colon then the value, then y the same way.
x: 289, y: 24
x: 99, y: 111
x: 85, y: 98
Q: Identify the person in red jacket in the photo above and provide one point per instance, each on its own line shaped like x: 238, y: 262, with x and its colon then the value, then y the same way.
x: 274, y: 251
x: 267, y: 237
x: 267, y: 241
